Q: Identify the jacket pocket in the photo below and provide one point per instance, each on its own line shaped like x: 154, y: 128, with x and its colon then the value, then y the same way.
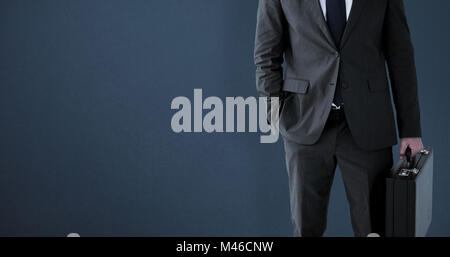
x: 377, y: 85
x: 298, y: 86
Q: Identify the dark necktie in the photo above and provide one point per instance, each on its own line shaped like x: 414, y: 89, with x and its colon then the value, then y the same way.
x: 337, y: 20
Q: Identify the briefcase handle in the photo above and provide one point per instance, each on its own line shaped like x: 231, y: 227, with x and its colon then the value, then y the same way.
x: 412, y: 165
x: 409, y: 162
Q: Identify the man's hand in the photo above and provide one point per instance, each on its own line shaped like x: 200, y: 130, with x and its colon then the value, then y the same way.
x: 415, y: 143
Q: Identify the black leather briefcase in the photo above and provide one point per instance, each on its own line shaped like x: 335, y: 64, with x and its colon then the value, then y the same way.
x: 409, y: 195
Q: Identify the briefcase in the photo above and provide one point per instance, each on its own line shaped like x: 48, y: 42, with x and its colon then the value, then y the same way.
x: 409, y: 195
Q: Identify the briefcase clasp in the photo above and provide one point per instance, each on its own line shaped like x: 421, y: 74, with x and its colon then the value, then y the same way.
x: 425, y: 152
x: 407, y: 172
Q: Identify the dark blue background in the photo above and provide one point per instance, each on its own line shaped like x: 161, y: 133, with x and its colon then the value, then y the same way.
x: 85, y: 138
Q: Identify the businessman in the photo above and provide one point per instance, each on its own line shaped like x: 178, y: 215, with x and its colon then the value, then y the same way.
x: 336, y: 102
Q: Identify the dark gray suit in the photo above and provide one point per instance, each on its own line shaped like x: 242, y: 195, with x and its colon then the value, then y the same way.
x: 360, y: 141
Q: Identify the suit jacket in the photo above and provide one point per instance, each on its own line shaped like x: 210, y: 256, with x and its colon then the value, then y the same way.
x: 294, y: 32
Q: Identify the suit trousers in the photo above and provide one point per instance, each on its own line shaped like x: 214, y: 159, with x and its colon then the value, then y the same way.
x: 311, y: 171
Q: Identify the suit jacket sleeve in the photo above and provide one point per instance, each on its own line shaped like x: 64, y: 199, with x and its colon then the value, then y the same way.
x: 399, y: 54
x: 269, y: 48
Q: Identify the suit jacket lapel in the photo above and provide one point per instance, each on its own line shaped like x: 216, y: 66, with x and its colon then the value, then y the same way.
x: 355, y: 13
x: 317, y: 12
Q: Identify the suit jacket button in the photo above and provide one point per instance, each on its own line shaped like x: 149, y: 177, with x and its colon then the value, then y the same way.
x: 344, y: 85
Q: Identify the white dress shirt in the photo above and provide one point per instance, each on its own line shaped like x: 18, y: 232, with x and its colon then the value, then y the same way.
x: 348, y: 6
